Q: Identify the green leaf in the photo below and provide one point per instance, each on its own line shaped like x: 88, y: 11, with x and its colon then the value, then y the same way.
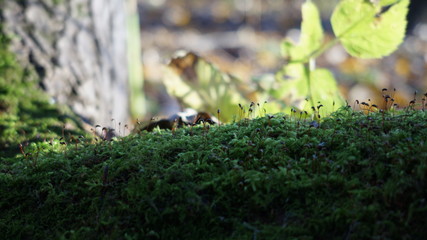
x: 302, y: 88
x: 292, y: 87
x: 286, y: 48
x: 311, y: 35
x: 324, y: 89
x: 388, y: 2
x: 369, y: 30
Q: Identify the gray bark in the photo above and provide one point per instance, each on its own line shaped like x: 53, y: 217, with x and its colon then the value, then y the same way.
x: 78, y: 48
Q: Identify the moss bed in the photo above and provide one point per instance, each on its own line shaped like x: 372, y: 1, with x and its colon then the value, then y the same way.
x: 351, y: 176
x: 348, y: 176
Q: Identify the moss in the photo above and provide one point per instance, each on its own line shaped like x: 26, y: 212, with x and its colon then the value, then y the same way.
x: 349, y: 176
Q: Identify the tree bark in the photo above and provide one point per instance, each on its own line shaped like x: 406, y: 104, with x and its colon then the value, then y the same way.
x: 79, y: 50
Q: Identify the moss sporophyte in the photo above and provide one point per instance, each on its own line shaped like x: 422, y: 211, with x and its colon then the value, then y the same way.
x: 354, y: 173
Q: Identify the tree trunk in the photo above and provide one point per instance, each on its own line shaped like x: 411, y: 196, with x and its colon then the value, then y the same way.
x: 79, y: 49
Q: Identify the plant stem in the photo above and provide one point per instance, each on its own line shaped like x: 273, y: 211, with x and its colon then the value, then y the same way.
x: 323, y: 48
x: 317, y: 52
x: 307, y: 72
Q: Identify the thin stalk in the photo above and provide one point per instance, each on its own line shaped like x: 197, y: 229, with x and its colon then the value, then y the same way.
x: 307, y: 72
x: 324, y: 48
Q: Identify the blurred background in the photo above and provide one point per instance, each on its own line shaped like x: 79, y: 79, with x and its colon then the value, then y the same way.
x: 105, y: 59
x: 242, y: 37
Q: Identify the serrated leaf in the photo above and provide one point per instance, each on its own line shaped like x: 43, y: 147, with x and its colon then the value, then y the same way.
x: 311, y: 35
x: 367, y: 30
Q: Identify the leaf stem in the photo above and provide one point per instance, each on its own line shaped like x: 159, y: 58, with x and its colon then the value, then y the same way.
x: 324, y: 48
x: 307, y: 72
x: 318, y: 52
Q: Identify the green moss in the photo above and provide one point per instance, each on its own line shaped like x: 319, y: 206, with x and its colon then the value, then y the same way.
x: 353, y: 176
x: 350, y: 176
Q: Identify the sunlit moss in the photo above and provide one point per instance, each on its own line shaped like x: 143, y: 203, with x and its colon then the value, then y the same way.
x: 274, y: 177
